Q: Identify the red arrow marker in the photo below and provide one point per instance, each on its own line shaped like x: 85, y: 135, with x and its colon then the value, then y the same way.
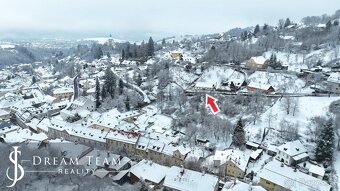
x: 211, y: 102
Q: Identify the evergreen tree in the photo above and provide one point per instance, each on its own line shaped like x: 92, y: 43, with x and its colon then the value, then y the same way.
x: 123, y: 54
x: 134, y: 51
x: 110, y: 83
x: 127, y: 51
x: 239, y: 134
x: 257, y: 29
x: 324, y: 149
x: 151, y: 47
x: 34, y: 80
x: 287, y: 23
x: 265, y: 27
x: 97, y: 93
x: 328, y: 25
x: 163, y: 42
x: 103, y: 92
x: 127, y: 103
x: 121, y: 86
x: 139, y: 80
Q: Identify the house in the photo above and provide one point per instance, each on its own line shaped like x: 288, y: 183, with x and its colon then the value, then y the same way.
x: 316, y: 171
x: 84, y: 103
x: 178, y: 179
x: 333, y: 83
x: 271, y: 150
x: 252, y: 145
x: 256, y: 154
x: 176, y: 54
x: 292, y: 153
x: 122, y: 139
x: 256, y: 63
x: 4, y: 115
x: 149, y: 172
x: 181, y: 152
x: 277, y: 176
x: 265, y: 88
x: 231, y: 162
x: 63, y: 93
x: 77, y: 133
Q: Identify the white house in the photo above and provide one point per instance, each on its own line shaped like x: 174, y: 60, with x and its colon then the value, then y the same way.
x: 292, y: 153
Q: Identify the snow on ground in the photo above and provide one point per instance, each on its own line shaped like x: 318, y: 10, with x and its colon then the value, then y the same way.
x: 280, y: 81
x: 293, y: 61
x: 215, y: 75
x: 182, y: 78
x: 308, y: 108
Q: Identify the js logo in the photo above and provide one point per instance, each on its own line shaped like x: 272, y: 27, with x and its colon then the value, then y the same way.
x: 13, y: 157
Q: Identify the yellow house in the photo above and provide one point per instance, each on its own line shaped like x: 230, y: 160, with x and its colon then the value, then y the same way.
x: 269, y: 185
x: 256, y: 63
x: 176, y: 54
x: 117, y: 139
x: 63, y: 93
x: 278, y: 176
x: 231, y: 163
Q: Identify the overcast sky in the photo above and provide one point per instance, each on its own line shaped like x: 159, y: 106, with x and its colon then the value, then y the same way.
x: 148, y: 17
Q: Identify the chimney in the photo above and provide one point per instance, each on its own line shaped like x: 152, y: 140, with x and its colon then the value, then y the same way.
x: 182, y: 170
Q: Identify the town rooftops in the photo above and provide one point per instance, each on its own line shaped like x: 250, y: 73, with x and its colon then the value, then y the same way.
x: 78, y: 130
x: 123, y: 136
x: 291, y: 179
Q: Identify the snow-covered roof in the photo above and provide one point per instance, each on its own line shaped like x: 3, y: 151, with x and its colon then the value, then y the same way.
x: 238, y: 157
x: 252, y: 144
x: 188, y: 180
x: 334, y: 77
x: 100, y: 173
x: 240, y: 186
x: 148, y: 170
x: 123, y: 136
x: 3, y: 112
x: 22, y: 135
x: 62, y: 90
x: 182, y: 149
x: 292, y: 148
x: 321, y: 25
x: 259, y: 59
x: 77, y: 130
x: 287, y: 178
x: 317, y: 170
x: 256, y: 153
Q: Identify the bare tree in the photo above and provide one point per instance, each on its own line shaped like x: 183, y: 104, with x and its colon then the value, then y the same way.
x: 270, y: 118
x: 295, y: 105
x: 286, y: 104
